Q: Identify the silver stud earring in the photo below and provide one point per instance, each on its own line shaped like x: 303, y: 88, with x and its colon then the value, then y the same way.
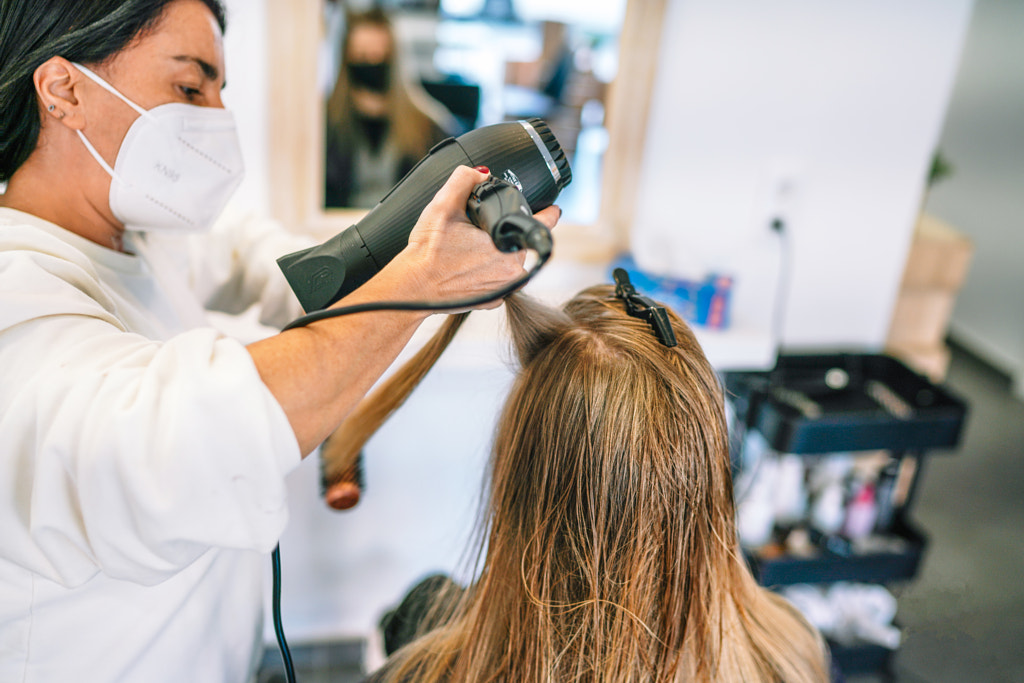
x: 51, y: 107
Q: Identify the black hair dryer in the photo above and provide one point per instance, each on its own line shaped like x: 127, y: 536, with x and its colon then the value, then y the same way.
x: 523, y: 153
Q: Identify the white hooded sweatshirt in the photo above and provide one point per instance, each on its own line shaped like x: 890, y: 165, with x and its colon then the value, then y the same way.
x: 142, y: 459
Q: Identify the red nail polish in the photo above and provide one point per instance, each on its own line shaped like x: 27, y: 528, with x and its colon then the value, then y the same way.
x: 482, y: 169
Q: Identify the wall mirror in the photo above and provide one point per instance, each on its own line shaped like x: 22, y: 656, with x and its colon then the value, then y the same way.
x: 509, y: 54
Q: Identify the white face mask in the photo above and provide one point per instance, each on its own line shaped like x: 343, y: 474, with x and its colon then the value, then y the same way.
x: 177, y: 167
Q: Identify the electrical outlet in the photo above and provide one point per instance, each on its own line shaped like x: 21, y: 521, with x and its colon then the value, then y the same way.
x: 783, y: 192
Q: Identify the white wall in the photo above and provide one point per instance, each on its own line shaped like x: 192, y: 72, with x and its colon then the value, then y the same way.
x: 247, y: 93
x: 984, y: 140
x: 824, y: 112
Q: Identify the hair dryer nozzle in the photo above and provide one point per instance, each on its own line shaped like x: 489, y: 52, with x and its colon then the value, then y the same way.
x: 523, y: 153
x: 558, y: 164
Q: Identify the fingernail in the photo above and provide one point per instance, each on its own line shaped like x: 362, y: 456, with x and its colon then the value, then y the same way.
x: 482, y: 169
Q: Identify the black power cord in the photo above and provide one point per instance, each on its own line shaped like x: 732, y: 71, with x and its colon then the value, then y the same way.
x: 286, y: 655
x: 435, y: 306
x: 542, y: 257
x: 763, y: 386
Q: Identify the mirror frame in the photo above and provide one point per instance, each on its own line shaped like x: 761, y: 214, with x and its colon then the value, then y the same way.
x: 296, y: 124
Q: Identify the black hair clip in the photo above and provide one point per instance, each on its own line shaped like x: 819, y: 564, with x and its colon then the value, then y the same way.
x: 639, y: 306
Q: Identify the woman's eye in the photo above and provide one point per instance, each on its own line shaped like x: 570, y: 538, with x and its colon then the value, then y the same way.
x: 189, y: 93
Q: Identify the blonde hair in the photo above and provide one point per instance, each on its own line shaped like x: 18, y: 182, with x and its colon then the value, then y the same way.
x: 340, y: 452
x: 611, y: 547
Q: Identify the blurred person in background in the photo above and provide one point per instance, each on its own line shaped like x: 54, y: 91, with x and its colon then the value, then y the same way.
x: 379, y: 122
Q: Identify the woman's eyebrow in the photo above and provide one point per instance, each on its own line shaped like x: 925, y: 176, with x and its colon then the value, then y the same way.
x: 209, y: 70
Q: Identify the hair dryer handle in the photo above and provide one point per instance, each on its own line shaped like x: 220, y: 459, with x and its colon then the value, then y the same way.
x: 500, y: 209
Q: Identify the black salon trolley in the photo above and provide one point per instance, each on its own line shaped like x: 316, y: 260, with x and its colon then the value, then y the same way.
x: 843, y: 402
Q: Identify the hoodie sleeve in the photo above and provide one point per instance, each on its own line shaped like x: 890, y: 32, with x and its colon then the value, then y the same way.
x: 234, y: 267
x: 124, y: 455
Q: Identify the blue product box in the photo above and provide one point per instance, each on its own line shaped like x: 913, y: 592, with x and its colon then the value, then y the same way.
x: 700, y: 302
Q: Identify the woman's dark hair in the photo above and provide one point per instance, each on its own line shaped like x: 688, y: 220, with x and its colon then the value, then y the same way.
x: 33, y: 31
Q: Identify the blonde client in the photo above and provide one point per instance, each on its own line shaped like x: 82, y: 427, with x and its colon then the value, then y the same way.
x: 609, y: 549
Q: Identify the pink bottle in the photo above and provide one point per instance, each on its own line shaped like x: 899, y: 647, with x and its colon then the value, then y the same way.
x: 861, y: 513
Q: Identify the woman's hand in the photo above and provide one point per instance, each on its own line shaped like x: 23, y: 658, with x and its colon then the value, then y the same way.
x: 449, y: 258
x: 320, y: 372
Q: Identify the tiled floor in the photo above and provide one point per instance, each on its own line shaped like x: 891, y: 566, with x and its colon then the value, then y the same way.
x: 963, y: 616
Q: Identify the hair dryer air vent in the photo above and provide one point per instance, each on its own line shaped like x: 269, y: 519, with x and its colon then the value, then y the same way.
x: 561, y: 164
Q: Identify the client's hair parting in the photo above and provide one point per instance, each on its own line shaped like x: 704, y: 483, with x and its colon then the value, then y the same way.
x: 608, y: 547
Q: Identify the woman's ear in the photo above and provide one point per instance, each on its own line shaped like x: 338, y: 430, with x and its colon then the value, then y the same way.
x: 57, y: 82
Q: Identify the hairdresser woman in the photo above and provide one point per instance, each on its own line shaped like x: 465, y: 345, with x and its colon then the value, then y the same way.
x: 142, y: 455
